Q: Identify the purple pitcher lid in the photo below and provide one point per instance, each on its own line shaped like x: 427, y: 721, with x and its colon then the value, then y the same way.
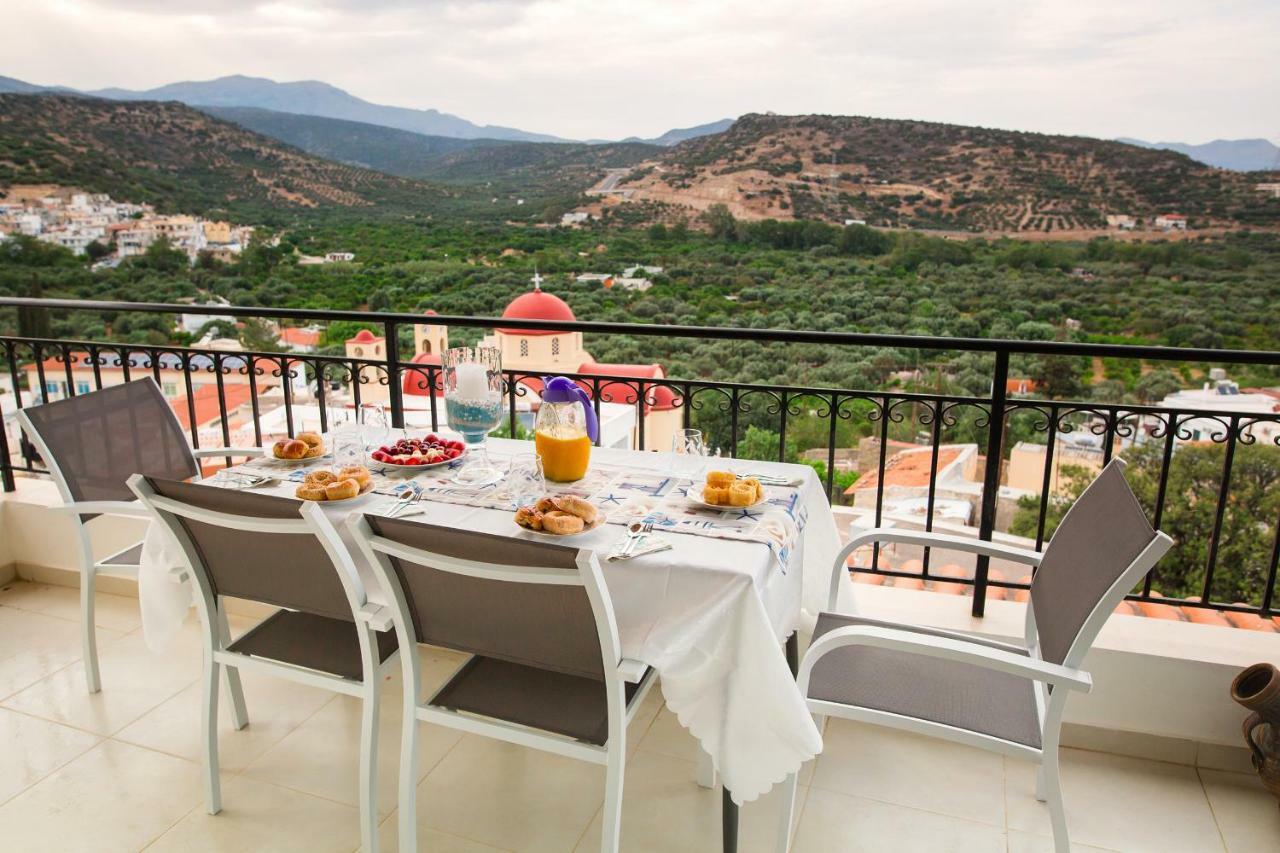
x: 561, y: 389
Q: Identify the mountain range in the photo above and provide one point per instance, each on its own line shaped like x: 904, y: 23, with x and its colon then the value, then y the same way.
x: 1241, y: 155
x: 312, y: 97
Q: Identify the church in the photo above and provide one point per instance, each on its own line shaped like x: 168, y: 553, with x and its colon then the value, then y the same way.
x: 538, y: 351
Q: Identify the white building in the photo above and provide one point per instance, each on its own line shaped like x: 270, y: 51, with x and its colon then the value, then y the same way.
x: 1221, y: 394
x: 339, y: 257
x: 576, y: 217
x: 1121, y: 221
x: 191, y: 323
x: 1170, y: 222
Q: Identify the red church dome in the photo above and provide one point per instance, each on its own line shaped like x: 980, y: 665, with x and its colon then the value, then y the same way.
x: 537, y: 305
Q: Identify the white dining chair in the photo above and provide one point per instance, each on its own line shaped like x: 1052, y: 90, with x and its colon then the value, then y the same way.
x: 92, y: 443
x: 545, y: 670
x: 282, y: 552
x: 1003, y: 697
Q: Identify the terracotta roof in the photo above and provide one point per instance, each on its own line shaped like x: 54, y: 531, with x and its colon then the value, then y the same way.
x: 415, y: 382
x: 1021, y: 385
x: 537, y: 304
x: 206, y: 403
x: 364, y: 336
x: 908, y: 468
x: 300, y: 337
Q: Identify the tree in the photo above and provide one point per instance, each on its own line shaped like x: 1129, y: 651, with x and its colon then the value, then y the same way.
x: 1195, y: 473
x: 163, y: 257
x: 721, y: 222
x: 1059, y: 376
x: 258, y: 335
x: 1156, y: 385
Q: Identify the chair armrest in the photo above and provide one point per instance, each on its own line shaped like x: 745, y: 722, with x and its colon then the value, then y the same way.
x: 129, y: 508
x: 632, y: 670
x: 946, y: 648
x: 204, y: 452
x: 887, y: 535
x: 376, y: 616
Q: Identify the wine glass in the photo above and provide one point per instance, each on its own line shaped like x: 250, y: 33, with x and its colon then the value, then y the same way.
x: 689, y: 453
x: 473, y: 403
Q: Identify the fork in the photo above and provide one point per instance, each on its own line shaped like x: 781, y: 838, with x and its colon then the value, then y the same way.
x: 634, y: 536
x: 403, y: 500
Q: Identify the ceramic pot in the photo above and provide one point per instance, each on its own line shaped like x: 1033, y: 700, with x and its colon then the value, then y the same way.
x: 1258, y: 689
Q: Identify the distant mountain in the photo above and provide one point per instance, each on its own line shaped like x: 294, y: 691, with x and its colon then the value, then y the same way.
x: 372, y: 146
x: 534, y: 170
x: 181, y: 159
x: 680, y: 134
x: 919, y: 174
x: 307, y: 97
x: 1241, y: 155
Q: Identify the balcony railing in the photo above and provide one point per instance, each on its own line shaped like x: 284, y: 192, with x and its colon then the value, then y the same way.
x: 724, y: 408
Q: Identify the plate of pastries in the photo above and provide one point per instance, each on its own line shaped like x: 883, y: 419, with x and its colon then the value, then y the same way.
x: 306, y: 446
x: 724, y: 490
x: 341, y: 484
x: 564, y: 515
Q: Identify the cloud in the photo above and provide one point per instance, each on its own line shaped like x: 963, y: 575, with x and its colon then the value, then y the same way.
x: 1176, y: 69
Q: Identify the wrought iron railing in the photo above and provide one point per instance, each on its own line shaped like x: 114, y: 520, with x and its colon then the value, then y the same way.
x: 928, y: 418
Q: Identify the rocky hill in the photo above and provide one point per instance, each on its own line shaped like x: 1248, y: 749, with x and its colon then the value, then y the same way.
x: 931, y: 175
x: 181, y: 159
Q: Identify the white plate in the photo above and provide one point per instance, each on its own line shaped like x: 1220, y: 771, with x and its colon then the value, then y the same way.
x: 725, y: 507
x: 313, y: 460
x: 602, y: 518
x: 396, y: 465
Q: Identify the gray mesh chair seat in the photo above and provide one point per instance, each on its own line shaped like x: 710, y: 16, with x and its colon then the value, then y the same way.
x: 947, y: 692
x: 568, y: 705
x: 131, y: 556
x: 312, y: 641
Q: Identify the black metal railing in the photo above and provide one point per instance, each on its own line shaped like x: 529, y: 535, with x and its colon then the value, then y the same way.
x: 728, y: 408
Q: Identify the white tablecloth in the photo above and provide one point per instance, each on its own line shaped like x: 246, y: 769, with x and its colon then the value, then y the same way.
x: 709, y: 615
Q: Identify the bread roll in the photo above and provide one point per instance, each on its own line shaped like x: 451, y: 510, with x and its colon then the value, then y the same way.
x: 720, y: 479
x: 527, y: 516
x: 575, y: 505
x: 756, y: 488
x: 742, y: 494
x: 562, y: 523
x: 545, y: 505
x: 320, y: 478
x: 359, y: 473
x: 340, y: 490
x: 717, y: 495
x: 289, y: 448
x: 311, y: 439
x: 311, y: 492
x: 313, y: 452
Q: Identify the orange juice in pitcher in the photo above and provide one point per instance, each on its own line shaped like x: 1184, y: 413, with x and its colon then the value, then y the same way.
x: 564, y: 431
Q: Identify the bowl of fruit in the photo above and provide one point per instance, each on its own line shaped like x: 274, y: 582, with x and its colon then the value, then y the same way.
x: 420, y: 452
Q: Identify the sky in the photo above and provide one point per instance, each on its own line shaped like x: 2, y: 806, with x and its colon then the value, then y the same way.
x: 1178, y: 70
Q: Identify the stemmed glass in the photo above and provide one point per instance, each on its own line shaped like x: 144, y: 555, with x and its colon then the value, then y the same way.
x: 689, y: 453
x: 473, y: 403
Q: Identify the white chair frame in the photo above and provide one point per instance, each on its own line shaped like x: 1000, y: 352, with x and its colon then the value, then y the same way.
x: 369, y: 618
x: 90, y: 567
x: 618, y: 672
x: 1023, y: 661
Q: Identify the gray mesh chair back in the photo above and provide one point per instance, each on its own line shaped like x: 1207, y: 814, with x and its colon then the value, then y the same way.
x: 551, y: 627
x: 1098, y: 539
x: 100, y: 439
x: 282, y: 569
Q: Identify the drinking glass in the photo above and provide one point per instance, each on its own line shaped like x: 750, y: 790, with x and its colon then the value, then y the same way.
x: 344, y: 436
x: 374, y: 426
x: 473, y: 404
x: 525, y: 480
x: 690, y: 453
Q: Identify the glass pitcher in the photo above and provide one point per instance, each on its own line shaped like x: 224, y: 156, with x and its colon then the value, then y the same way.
x: 564, y: 431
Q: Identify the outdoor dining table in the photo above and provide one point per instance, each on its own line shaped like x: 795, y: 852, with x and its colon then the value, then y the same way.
x: 710, y: 614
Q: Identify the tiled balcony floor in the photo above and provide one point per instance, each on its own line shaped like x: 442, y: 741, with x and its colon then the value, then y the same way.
x: 119, y: 771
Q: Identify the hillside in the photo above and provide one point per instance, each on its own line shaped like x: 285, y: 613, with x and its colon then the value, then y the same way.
x: 930, y: 175
x: 184, y: 160
x: 530, y: 169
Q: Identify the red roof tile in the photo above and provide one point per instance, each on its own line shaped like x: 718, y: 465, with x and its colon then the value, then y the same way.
x: 206, y: 403
x: 908, y: 468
